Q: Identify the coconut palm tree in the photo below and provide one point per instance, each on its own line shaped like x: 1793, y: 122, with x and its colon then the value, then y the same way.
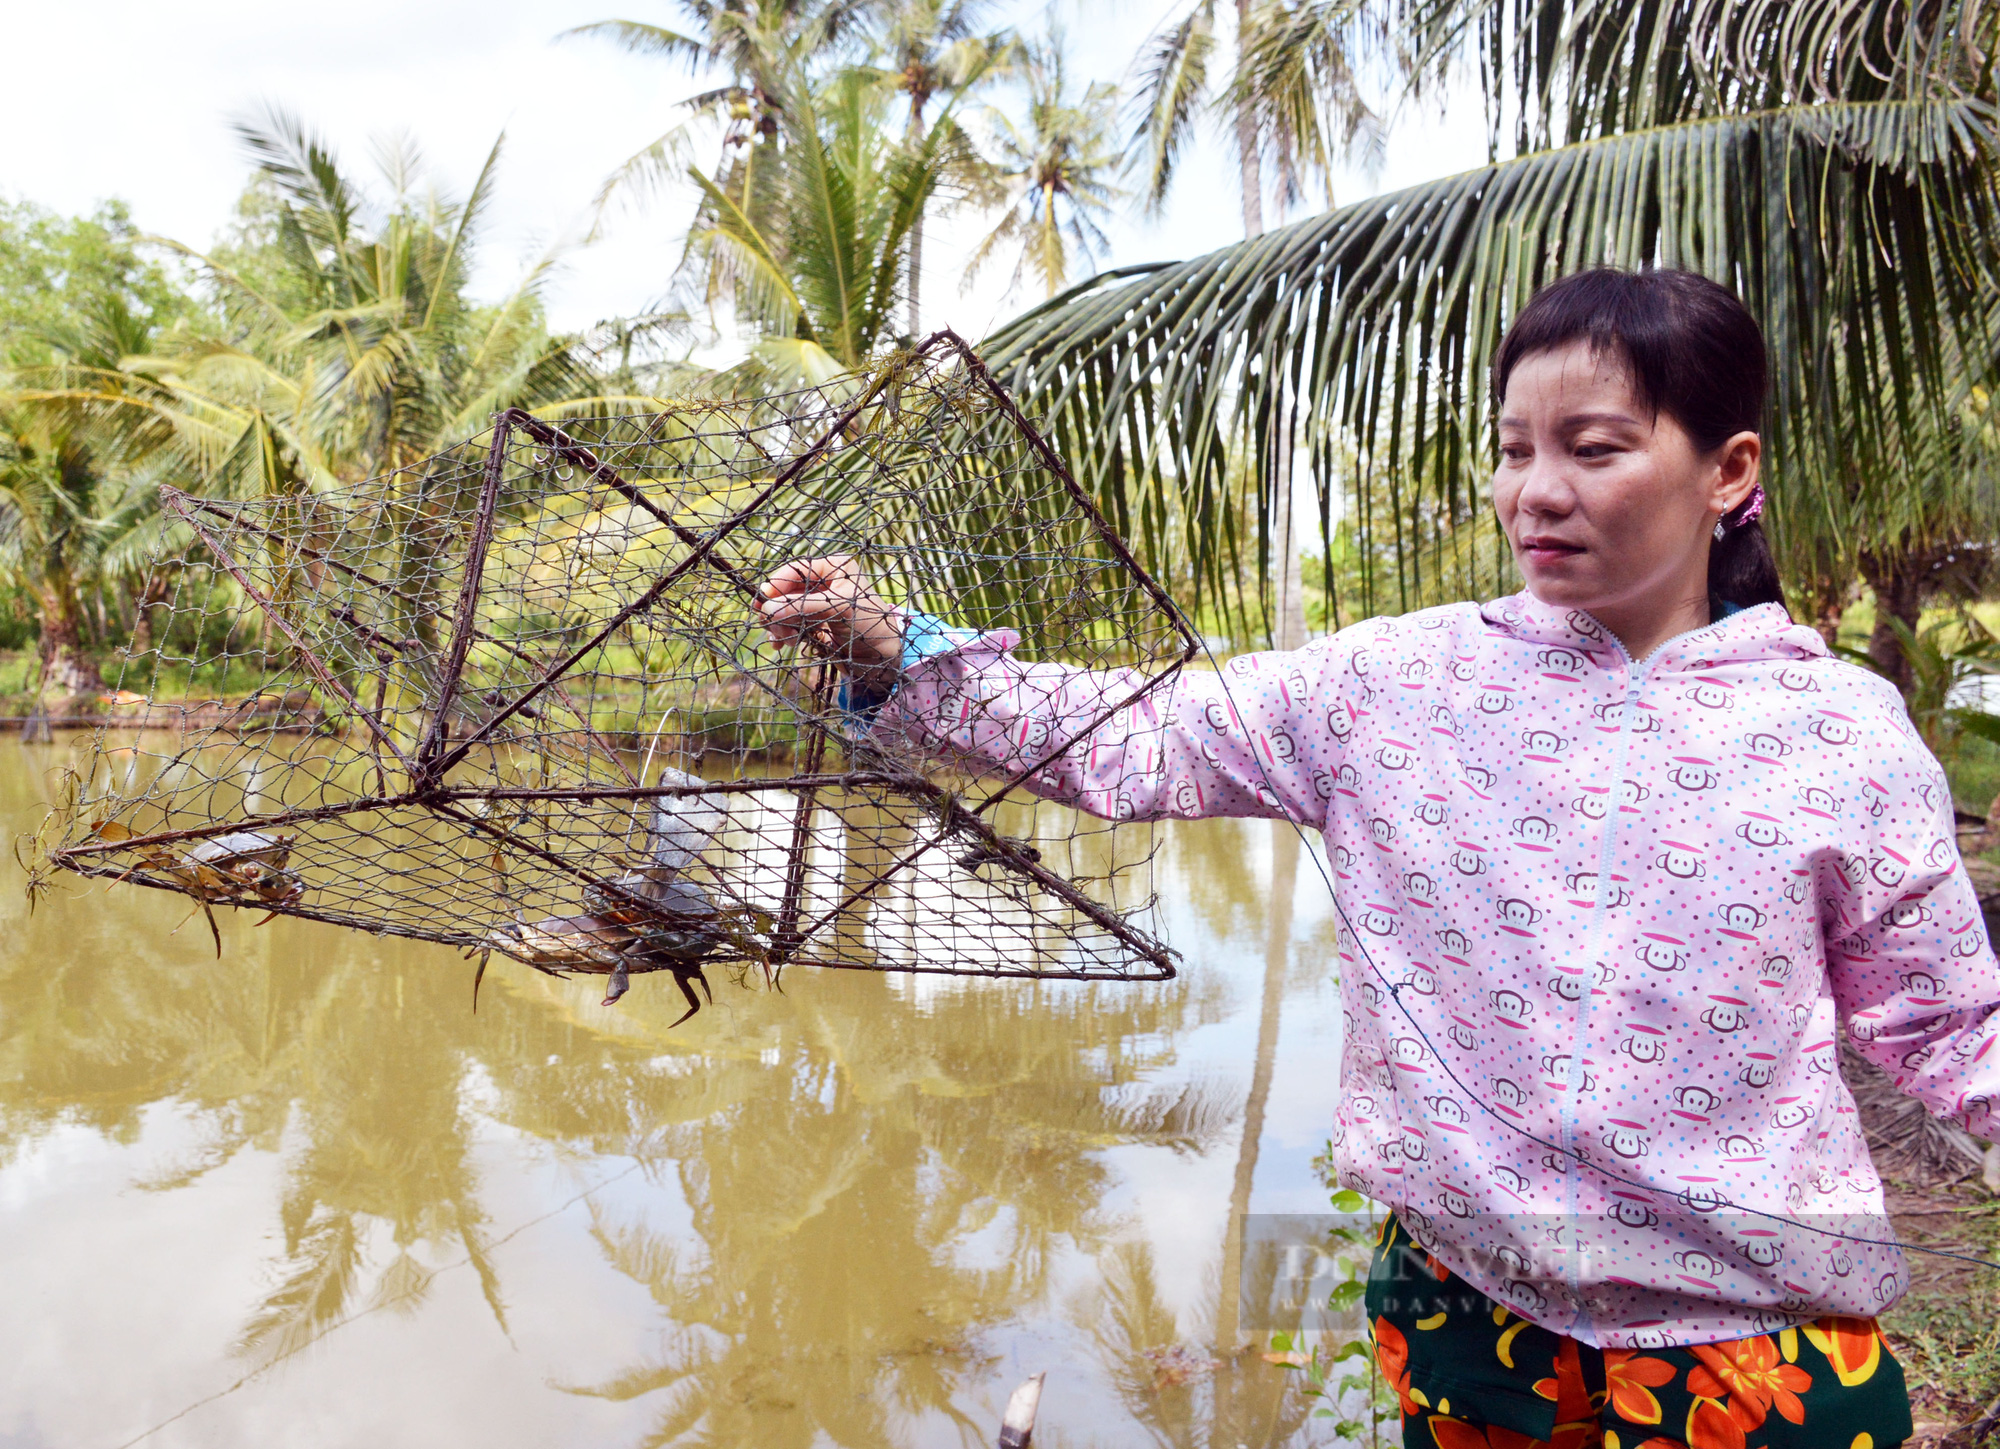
x: 373, y: 325
x: 816, y: 272
x: 350, y: 347
x: 1292, y: 97
x: 756, y: 46
x: 795, y: 68
x: 77, y: 508
x: 932, y: 48
x: 1833, y: 160
x: 1055, y: 172
x: 65, y: 526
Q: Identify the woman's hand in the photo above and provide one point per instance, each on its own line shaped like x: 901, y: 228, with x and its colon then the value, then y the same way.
x: 827, y: 604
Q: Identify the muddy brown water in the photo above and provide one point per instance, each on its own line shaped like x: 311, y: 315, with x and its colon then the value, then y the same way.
x: 302, y: 1195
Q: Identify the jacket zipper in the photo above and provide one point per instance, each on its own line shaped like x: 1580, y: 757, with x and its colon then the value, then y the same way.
x: 1635, y: 685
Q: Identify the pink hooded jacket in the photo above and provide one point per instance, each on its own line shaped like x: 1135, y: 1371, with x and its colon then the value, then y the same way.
x: 1618, y: 907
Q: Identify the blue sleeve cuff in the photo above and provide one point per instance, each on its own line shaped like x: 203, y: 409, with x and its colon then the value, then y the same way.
x: 924, y: 636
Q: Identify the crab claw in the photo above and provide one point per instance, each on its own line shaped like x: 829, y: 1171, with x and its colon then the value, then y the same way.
x: 620, y: 984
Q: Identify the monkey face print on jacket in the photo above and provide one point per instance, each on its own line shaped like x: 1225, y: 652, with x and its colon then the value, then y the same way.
x: 1640, y: 897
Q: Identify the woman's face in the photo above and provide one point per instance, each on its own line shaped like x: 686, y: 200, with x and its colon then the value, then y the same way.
x: 1605, y: 501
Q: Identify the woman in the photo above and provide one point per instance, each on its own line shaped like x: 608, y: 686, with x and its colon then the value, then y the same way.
x: 1616, y: 856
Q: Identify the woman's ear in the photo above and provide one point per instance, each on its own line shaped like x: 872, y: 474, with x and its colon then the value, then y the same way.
x: 1738, y: 462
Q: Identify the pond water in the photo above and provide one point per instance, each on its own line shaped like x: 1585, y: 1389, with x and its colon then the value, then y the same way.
x: 302, y: 1195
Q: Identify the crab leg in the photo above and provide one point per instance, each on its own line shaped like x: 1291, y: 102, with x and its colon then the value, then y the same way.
x: 693, y: 1001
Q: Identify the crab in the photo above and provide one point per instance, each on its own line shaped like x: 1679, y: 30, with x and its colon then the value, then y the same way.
x: 650, y: 917
x: 620, y: 938
x: 241, y: 868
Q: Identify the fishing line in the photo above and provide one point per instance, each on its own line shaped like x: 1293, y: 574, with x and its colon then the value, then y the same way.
x: 1395, y: 990
x: 381, y: 1303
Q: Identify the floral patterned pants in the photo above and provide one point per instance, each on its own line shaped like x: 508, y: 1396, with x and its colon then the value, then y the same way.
x: 1470, y: 1373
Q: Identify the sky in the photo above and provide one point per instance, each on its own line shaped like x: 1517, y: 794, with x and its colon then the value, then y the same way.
x: 152, y: 127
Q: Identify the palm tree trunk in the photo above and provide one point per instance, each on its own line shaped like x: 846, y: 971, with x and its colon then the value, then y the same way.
x: 1246, y: 142
x: 1289, y: 607
x: 64, y: 662
x: 916, y: 271
x: 152, y: 594
x: 1898, y: 579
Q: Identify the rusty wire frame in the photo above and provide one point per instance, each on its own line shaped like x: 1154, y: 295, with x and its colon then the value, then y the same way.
x: 462, y: 677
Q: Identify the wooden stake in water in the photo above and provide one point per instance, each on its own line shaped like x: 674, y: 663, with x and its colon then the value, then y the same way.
x: 1017, y: 1425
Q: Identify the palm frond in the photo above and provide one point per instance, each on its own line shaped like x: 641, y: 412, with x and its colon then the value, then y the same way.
x: 1173, y: 80
x: 639, y: 38
x: 450, y: 265
x: 272, y: 311
x: 654, y: 168
x: 1859, y: 233
x: 744, y: 258
x: 827, y: 158
x: 1574, y: 70
x: 305, y: 171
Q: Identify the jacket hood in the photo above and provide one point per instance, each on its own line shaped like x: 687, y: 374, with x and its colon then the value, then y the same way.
x: 1763, y: 633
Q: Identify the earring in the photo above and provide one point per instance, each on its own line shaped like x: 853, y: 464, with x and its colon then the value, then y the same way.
x: 1718, y: 530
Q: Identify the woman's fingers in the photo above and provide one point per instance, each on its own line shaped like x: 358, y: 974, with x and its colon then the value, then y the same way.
x: 796, y: 597
x: 812, y: 576
x: 827, y: 603
x: 788, y: 615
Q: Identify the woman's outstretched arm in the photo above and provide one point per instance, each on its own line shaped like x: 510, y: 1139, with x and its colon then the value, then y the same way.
x: 1910, y: 964
x: 1262, y: 738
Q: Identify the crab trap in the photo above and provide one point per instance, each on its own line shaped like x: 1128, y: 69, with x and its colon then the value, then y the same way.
x: 516, y: 698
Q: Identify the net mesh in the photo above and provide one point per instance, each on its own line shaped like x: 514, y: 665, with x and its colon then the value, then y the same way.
x: 515, y: 698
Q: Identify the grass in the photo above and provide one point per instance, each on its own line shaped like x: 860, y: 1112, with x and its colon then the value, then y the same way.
x: 1946, y: 1330
x: 17, y: 670
x: 20, y: 678
x: 618, y: 707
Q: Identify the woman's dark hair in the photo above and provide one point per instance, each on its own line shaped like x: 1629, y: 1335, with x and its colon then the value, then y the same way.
x: 1695, y: 353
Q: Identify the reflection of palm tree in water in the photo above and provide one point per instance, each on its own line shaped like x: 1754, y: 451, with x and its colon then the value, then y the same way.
x: 1182, y: 1399
x: 281, y: 1045
x: 840, y: 1196
x: 778, y: 1331
x: 1289, y: 633
x: 386, y: 1142
x: 1245, y: 1401
x: 836, y: 1292
x: 1277, y: 956
x: 830, y: 1295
